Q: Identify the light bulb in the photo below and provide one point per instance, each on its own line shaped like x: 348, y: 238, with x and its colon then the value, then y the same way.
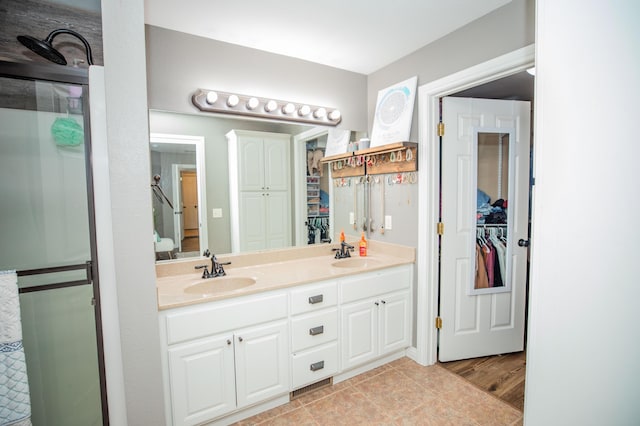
x: 271, y: 106
x: 335, y: 115
x: 288, y: 108
x: 212, y: 97
x: 233, y: 100
x: 252, y: 103
x: 304, y: 110
x: 320, y: 113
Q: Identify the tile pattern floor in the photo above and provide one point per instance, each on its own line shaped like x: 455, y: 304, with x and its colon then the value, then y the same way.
x: 399, y: 393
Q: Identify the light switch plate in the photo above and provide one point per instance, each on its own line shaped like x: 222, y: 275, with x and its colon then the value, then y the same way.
x: 387, y: 222
x: 217, y: 213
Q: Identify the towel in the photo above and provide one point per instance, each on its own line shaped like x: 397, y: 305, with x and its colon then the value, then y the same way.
x: 15, y: 406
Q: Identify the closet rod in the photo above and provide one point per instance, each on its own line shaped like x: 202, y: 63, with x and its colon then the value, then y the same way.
x: 491, y: 225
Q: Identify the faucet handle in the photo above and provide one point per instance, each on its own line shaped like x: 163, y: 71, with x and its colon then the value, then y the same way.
x: 205, y: 273
x: 206, y: 253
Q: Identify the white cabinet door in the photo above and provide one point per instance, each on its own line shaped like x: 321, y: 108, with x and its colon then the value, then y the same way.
x: 276, y: 164
x: 202, y: 379
x: 262, y: 363
x: 359, y: 332
x: 252, y: 221
x: 251, y: 165
x: 278, y: 219
x: 395, y: 322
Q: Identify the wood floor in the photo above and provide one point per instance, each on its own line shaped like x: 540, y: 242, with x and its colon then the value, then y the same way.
x: 500, y: 375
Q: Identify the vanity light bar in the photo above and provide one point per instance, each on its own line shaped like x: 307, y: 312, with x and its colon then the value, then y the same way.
x: 232, y: 103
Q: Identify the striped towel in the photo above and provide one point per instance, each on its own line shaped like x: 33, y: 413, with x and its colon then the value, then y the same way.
x: 15, y: 406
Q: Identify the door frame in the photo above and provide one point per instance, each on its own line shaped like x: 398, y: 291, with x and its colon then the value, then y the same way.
x: 429, y: 184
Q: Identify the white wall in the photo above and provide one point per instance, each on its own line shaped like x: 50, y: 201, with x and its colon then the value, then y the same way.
x: 584, y: 344
x: 128, y: 143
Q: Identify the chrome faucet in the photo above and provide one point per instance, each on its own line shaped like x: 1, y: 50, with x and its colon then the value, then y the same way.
x: 217, y: 269
x: 343, y: 251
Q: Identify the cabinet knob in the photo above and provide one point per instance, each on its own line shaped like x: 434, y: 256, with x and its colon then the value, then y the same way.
x: 228, y: 342
x: 383, y: 302
x: 377, y: 304
x: 240, y: 339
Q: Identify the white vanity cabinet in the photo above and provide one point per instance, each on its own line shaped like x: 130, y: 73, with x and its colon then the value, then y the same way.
x: 259, y: 190
x: 223, y: 356
x: 314, y: 333
x: 375, y: 315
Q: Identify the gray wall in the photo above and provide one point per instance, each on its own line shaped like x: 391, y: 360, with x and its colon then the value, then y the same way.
x: 507, y: 29
x: 179, y: 63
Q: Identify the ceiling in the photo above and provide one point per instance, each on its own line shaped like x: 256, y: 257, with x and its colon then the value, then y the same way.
x: 355, y: 35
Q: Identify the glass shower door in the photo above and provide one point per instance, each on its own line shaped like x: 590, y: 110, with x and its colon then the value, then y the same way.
x: 46, y: 229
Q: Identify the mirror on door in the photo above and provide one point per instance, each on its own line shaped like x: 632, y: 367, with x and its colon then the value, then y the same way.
x: 493, y: 190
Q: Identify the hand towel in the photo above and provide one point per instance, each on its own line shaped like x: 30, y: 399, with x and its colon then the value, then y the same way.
x: 15, y: 406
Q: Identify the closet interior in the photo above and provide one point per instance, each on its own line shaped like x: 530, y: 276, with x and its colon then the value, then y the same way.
x: 317, y: 192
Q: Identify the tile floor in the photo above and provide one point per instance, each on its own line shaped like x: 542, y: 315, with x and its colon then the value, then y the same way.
x: 400, y: 393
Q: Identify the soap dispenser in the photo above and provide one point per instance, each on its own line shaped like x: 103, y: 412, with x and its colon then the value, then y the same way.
x: 363, y: 245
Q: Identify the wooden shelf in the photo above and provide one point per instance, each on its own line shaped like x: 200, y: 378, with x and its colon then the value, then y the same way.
x: 390, y: 158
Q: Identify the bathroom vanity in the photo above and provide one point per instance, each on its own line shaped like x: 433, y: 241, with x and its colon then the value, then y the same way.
x: 279, y: 323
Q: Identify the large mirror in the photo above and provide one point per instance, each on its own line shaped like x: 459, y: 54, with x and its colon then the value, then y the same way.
x: 181, y: 165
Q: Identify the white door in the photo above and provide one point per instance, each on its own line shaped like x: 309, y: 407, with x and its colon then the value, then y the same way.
x: 488, y: 323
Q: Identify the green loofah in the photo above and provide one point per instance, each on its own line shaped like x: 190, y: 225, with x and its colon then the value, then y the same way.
x: 67, y: 132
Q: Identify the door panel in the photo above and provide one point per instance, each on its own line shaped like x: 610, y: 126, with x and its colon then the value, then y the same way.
x: 47, y: 237
x: 491, y: 320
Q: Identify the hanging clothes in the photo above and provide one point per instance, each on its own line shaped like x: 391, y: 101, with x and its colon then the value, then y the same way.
x: 481, y: 278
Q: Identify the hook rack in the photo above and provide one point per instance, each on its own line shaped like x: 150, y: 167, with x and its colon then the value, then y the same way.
x: 397, y: 157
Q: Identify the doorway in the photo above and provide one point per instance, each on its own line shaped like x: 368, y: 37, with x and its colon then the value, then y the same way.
x: 512, y: 64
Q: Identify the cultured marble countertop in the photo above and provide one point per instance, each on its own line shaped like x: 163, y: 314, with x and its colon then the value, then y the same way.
x: 271, y: 270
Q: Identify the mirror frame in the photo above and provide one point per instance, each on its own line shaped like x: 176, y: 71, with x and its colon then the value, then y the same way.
x: 198, y: 141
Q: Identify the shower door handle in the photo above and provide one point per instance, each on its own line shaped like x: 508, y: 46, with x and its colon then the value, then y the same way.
x: 523, y: 243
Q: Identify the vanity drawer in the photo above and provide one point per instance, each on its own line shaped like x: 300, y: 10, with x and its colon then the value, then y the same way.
x: 315, y: 364
x: 314, y: 297
x: 314, y: 329
x: 208, y: 319
x: 375, y: 283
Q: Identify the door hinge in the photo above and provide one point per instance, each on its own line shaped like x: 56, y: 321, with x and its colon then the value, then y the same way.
x: 441, y: 129
x: 440, y: 228
x: 438, y: 323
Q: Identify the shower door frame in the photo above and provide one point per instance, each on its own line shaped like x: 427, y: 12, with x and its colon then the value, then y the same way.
x: 80, y: 77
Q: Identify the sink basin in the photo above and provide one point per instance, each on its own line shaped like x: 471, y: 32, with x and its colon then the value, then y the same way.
x: 354, y: 262
x: 211, y: 286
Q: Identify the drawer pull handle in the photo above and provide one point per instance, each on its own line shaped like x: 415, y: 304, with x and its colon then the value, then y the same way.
x: 316, y: 330
x: 317, y: 366
x: 315, y: 299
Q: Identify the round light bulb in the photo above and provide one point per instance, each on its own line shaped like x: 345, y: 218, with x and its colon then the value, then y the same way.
x: 320, y: 113
x: 233, y: 100
x: 252, y: 103
x: 335, y: 115
x: 304, y: 110
x: 288, y: 108
x: 271, y: 106
x: 212, y: 97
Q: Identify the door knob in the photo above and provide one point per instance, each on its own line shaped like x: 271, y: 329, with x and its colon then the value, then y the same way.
x: 523, y: 243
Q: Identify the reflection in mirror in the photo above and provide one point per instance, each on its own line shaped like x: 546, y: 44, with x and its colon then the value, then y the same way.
x: 212, y: 129
x: 493, y: 183
x: 178, y: 183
